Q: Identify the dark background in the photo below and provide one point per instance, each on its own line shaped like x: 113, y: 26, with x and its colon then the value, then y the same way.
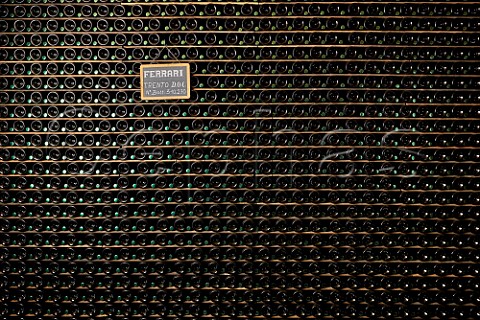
x: 325, y: 166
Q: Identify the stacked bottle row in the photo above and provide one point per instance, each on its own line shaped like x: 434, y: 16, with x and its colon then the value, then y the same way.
x: 346, y: 69
x: 171, y: 302
x: 340, y: 211
x: 238, y: 9
x: 266, y: 38
x: 236, y: 112
x: 355, y: 54
x: 413, y: 227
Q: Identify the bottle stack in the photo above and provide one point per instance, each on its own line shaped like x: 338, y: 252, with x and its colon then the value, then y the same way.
x: 326, y: 164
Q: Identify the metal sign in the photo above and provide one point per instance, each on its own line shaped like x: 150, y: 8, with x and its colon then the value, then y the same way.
x: 165, y: 81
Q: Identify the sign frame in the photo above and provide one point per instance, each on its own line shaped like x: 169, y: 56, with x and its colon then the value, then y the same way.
x: 159, y: 65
